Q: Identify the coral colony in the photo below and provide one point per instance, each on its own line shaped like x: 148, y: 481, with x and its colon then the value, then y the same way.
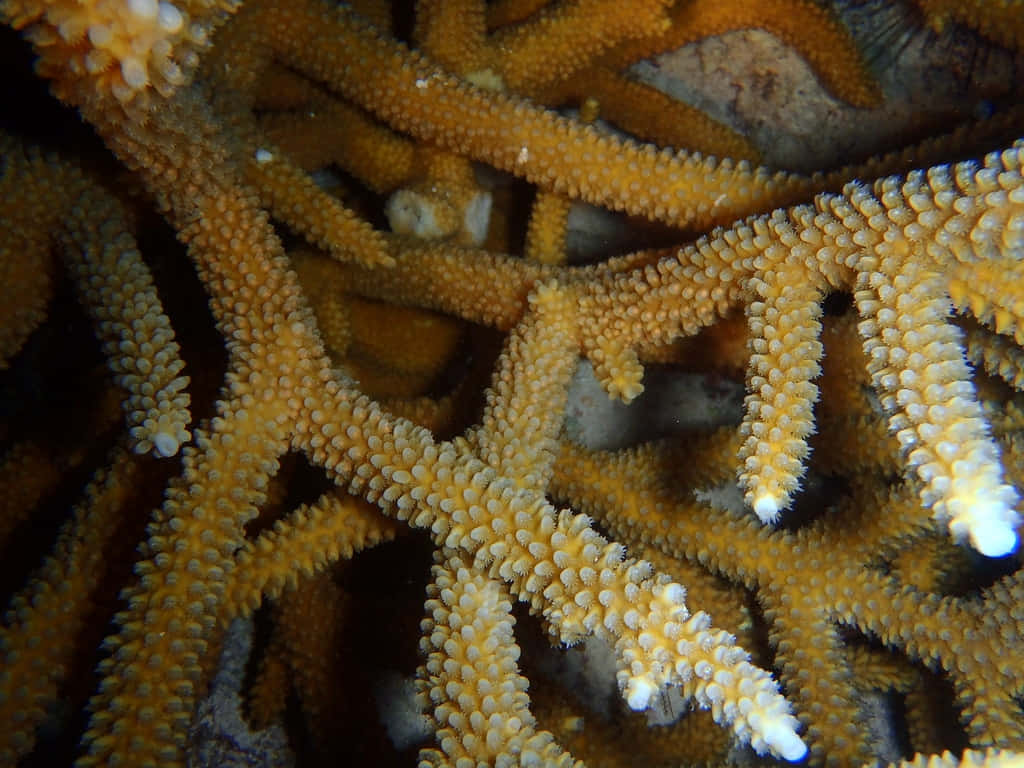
x: 870, y: 552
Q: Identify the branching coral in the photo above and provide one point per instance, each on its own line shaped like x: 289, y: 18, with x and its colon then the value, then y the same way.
x: 47, y: 201
x: 209, y: 135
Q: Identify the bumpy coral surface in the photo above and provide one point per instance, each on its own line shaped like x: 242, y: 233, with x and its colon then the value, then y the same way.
x: 362, y: 438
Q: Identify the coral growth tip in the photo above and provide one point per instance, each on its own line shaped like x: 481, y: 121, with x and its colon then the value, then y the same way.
x: 783, y: 740
x: 993, y: 538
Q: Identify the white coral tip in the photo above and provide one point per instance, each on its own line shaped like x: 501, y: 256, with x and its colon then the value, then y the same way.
x: 782, y: 740
x: 639, y: 691
x: 993, y: 537
x: 766, y: 507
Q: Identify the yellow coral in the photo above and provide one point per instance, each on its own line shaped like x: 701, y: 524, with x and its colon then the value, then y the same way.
x: 470, y: 681
x: 784, y: 330
x: 115, y: 285
x: 121, y: 48
x: 41, y: 638
x: 910, y: 248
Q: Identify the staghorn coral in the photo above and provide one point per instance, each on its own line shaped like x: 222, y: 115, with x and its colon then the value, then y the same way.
x: 908, y: 248
x: 49, y: 201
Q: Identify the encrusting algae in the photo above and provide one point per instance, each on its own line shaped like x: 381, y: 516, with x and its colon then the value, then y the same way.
x: 853, y: 539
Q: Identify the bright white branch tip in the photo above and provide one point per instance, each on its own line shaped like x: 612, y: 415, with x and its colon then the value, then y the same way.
x: 992, y: 535
x: 987, y: 518
x: 766, y: 507
x: 783, y: 741
x: 639, y: 691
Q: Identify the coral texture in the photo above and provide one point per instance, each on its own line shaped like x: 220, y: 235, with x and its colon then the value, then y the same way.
x: 853, y: 539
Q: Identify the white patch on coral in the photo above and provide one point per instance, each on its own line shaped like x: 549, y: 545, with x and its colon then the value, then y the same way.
x: 477, y: 218
x: 410, y: 213
x: 397, y: 709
